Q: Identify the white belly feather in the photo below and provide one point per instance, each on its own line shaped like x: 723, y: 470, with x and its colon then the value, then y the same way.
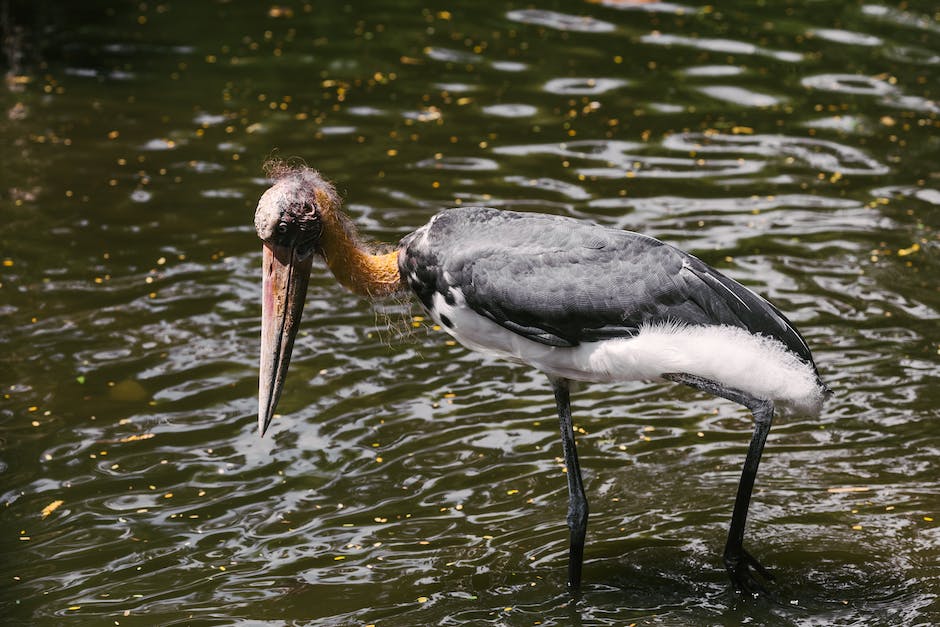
x: 757, y: 365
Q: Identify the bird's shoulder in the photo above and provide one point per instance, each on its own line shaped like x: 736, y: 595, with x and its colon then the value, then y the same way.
x: 553, y: 279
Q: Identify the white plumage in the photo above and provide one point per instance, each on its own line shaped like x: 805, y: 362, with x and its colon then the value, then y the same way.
x: 758, y: 365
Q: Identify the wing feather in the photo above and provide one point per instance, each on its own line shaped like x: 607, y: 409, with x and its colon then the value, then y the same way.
x: 561, y: 282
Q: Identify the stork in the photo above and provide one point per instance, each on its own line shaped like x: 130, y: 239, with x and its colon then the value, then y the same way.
x: 577, y: 301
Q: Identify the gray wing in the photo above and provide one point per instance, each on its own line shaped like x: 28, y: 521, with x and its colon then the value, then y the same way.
x: 561, y: 282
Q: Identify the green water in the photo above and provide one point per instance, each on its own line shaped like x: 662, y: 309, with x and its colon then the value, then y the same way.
x: 408, y: 482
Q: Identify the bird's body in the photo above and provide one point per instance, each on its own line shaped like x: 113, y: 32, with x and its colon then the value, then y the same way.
x: 572, y: 299
x: 583, y: 302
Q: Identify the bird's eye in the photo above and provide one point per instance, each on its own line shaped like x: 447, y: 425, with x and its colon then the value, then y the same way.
x: 282, y: 227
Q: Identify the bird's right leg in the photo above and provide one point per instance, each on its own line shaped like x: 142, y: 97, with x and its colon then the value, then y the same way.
x: 577, y: 501
x: 740, y: 564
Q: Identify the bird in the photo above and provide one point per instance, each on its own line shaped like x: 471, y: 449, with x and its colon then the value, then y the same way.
x: 575, y: 300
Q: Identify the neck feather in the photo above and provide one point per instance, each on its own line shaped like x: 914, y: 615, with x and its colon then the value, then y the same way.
x: 357, y: 268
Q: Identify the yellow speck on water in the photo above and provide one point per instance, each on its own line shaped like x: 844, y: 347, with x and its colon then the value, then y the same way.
x: 848, y: 489
x: 339, y: 558
x: 72, y: 608
x: 857, y: 527
x: 450, y: 395
x: 137, y: 437
x: 7, y: 263
x: 928, y: 518
x: 422, y: 599
x: 168, y: 495
x: 51, y: 507
x: 904, y: 252
x: 511, y: 492
x: 378, y: 460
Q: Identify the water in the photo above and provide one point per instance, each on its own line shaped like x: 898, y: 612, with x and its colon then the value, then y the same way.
x: 409, y: 482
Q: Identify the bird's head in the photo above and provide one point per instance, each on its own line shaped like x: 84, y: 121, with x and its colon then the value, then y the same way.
x: 290, y: 222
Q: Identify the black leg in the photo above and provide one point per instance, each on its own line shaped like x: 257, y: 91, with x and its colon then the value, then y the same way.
x: 577, y: 501
x: 741, y: 565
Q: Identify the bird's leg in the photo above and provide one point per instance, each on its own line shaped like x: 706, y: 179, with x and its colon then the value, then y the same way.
x: 577, y: 501
x: 741, y: 565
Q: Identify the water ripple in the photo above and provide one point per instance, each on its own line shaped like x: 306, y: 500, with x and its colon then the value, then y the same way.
x: 739, y: 95
x: 840, y: 36
x: 647, y: 6
x: 583, y: 86
x: 561, y: 21
x: 478, y: 164
x: 820, y: 154
x: 515, y: 110
x: 730, y: 46
x: 621, y: 160
x: 848, y: 84
x: 575, y: 192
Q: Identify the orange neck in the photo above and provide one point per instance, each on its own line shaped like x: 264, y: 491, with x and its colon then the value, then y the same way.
x: 354, y: 266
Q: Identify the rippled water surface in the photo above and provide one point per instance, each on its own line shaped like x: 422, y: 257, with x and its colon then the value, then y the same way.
x: 408, y: 482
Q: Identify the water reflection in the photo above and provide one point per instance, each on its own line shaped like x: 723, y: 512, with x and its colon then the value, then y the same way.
x: 561, y: 21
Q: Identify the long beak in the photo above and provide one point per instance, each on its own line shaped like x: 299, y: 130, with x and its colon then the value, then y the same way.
x: 283, y: 291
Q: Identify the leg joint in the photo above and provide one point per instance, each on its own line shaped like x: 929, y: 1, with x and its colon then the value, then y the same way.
x: 577, y: 513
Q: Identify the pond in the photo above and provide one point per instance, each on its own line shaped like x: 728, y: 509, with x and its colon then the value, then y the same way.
x: 407, y: 481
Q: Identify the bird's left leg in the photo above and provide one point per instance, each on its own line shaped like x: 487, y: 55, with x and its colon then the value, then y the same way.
x: 740, y: 564
x: 577, y: 501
